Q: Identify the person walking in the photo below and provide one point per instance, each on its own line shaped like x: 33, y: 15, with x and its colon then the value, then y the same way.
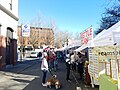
x: 80, y: 65
x: 40, y: 56
x: 68, y: 65
x: 50, y: 60
x: 73, y: 63
x: 55, y: 61
x: 44, y: 68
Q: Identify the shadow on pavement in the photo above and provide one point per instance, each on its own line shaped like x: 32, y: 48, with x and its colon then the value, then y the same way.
x: 32, y: 68
x: 21, y: 80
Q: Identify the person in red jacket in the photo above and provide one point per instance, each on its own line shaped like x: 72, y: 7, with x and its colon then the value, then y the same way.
x: 50, y: 60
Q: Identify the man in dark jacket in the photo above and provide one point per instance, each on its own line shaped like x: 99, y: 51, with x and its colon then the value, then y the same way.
x: 40, y: 56
x: 68, y: 65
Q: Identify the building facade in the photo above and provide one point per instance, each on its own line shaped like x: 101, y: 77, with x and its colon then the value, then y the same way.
x: 38, y: 38
x: 8, y: 32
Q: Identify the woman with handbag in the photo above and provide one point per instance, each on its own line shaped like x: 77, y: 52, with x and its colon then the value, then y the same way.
x: 44, y: 68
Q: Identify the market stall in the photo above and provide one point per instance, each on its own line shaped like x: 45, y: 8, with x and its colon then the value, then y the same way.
x: 104, y: 42
x: 105, y: 59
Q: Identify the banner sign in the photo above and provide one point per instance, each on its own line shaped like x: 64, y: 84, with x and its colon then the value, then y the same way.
x: 25, y: 30
x: 104, y: 57
x: 86, y: 35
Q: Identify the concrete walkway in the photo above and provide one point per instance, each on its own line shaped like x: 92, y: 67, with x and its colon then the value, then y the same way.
x: 20, y: 66
x: 10, y: 76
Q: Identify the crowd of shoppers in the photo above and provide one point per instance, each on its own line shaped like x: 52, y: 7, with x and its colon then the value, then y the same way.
x: 74, y: 61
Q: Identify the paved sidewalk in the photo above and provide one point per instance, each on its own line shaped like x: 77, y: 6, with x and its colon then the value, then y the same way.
x: 20, y: 66
x: 13, y: 81
x: 11, y: 77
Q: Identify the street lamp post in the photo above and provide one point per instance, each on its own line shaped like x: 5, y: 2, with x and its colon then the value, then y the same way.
x: 21, y: 46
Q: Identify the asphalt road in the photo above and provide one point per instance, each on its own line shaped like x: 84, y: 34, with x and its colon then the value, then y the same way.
x: 35, y: 84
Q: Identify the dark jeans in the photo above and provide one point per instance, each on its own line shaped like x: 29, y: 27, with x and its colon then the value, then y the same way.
x: 51, y: 64
x: 68, y: 71
x: 74, y: 66
x: 44, y: 76
x: 80, y: 68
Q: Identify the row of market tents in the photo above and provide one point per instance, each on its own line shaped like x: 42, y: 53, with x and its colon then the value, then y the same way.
x: 102, y: 57
x: 106, y: 37
x: 105, y: 42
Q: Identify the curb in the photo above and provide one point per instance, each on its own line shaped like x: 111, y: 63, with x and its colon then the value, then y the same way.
x: 19, y: 67
x: 26, y: 68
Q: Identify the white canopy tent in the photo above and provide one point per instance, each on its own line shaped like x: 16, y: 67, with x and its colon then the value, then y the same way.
x: 116, y: 35
x: 73, y: 43
x: 106, y: 37
x: 109, y: 36
x: 89, y: 44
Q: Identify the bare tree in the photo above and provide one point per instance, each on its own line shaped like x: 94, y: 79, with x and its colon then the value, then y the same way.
x: 35, y: 24
x: 77, y: 36
x: 51, y: 38
x: 110, y: 17
x: 62, y: 37
x: 52, y: 24
x: 35, y: 37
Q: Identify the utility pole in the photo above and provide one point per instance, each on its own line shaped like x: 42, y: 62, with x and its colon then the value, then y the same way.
x: 21, y: 46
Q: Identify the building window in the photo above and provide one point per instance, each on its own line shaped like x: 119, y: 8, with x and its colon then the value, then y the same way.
x: 47, y: 37
x: 42, y: 37
x: 0, y: 29
x: 10, y: 2
x: 9, y: 35
x: 41, y: 43
x: 23, y: 43
x: 10, y: 32
x: 36, y: 42
x: 29, y: 42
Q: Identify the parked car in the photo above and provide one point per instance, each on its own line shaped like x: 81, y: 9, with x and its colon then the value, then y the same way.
x: 34, y: 54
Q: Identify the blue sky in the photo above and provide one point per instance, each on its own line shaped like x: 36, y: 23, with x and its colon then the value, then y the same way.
x: 71, y: 15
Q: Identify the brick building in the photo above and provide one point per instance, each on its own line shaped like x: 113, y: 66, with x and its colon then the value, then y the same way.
x: 38, y: 38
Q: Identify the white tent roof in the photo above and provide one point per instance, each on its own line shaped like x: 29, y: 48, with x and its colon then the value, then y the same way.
x: 89, y: 44
x: 82, y: 47
x: 106, y: 37
x: 100, y: 34
x: 116, y: 35
x: 74, y: 43
x: 109, y: 37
